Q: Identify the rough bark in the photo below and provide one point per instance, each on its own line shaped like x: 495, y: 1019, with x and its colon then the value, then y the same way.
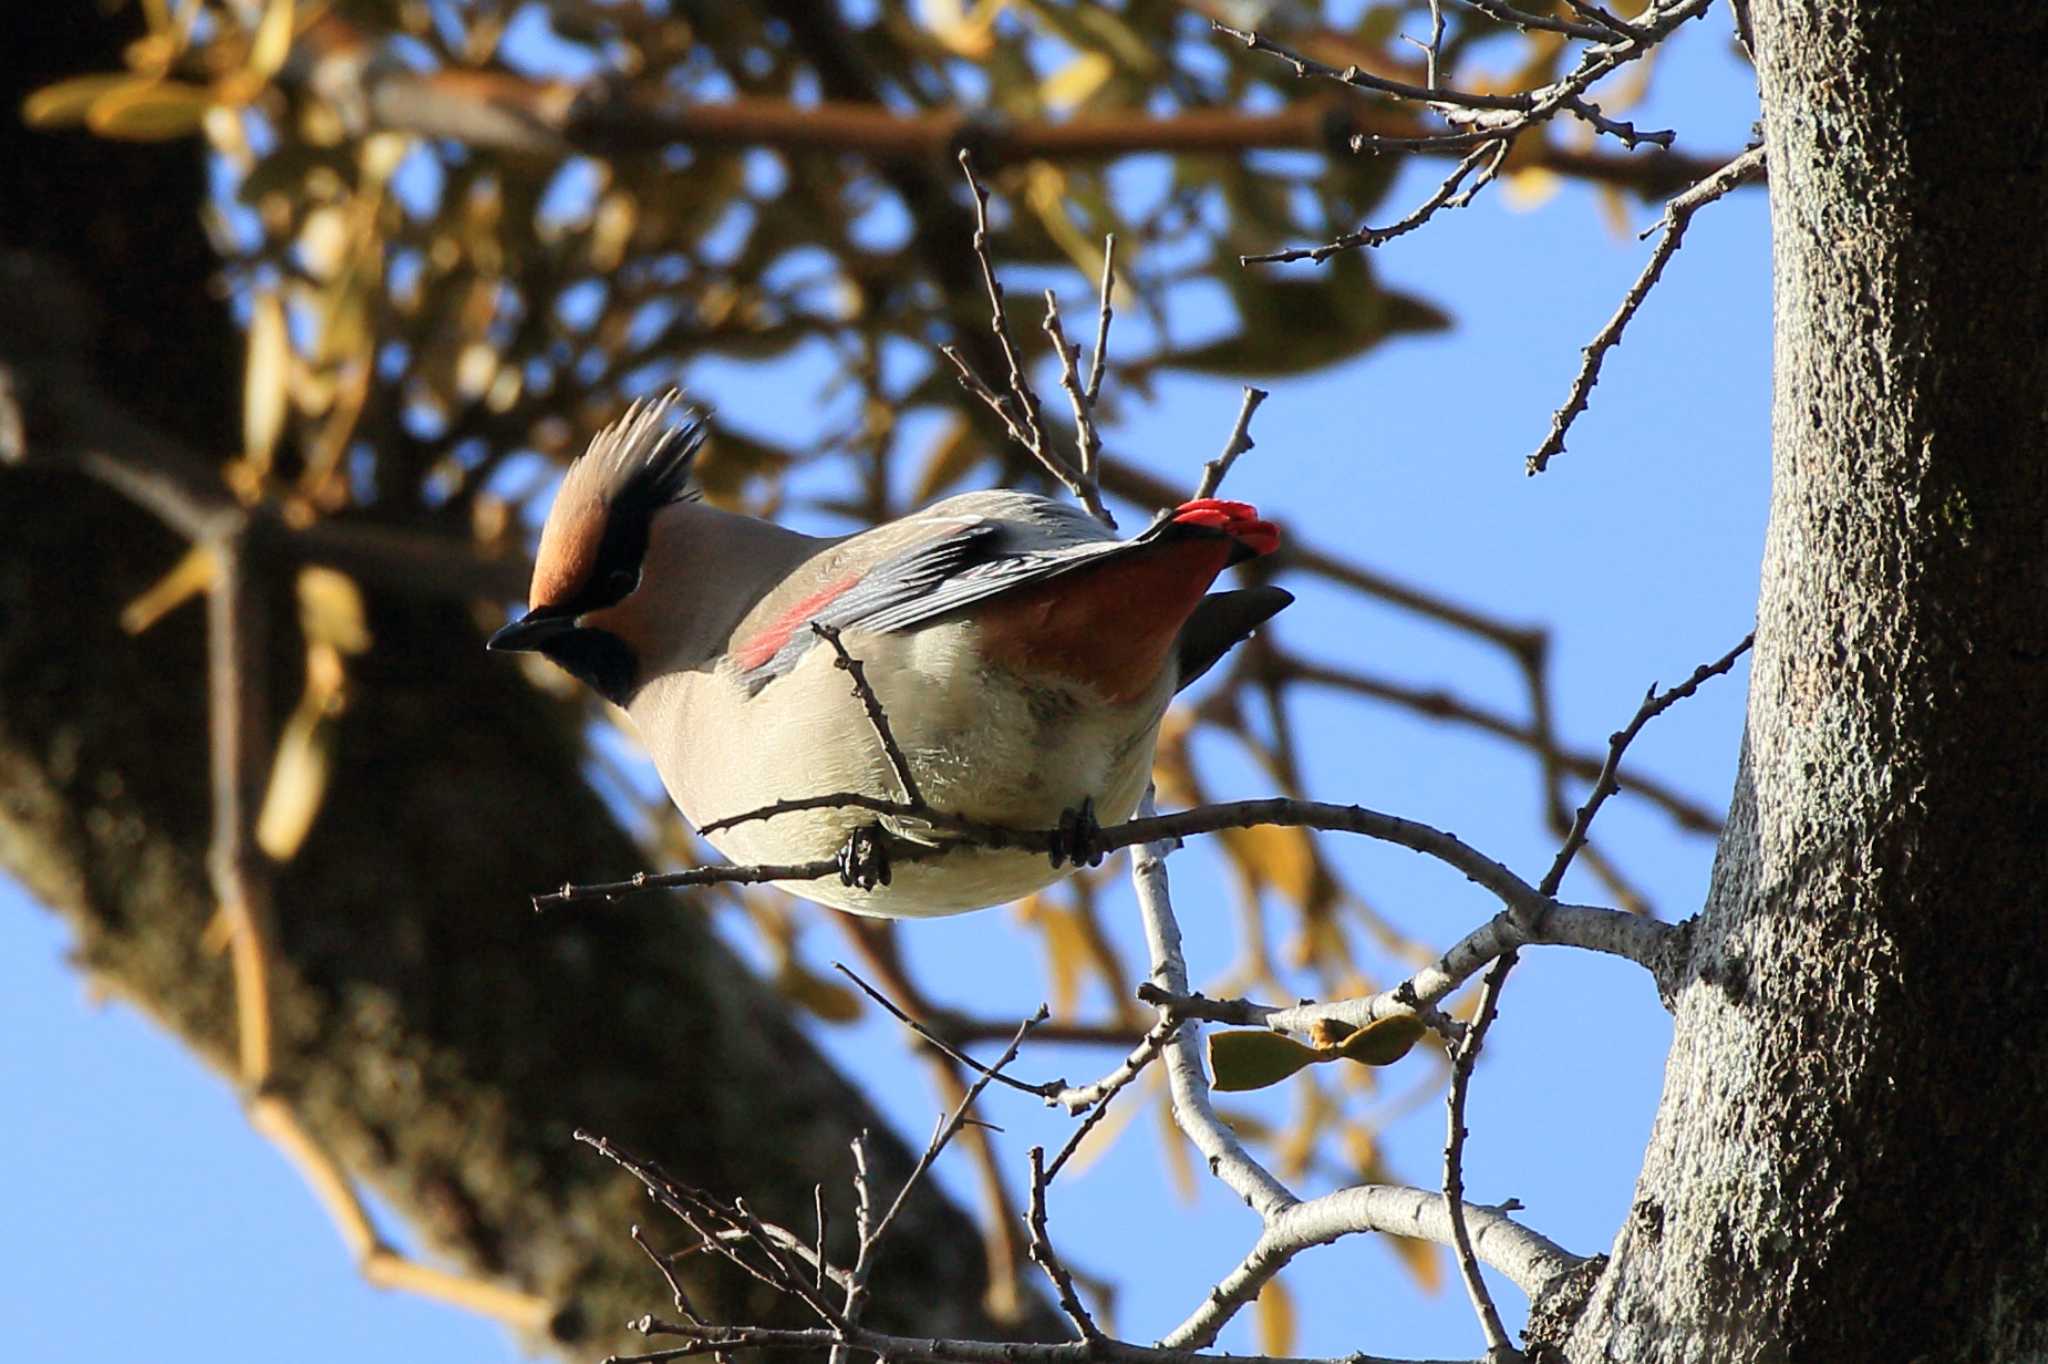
x: 442, y: 1039
x: 1845, y: 1164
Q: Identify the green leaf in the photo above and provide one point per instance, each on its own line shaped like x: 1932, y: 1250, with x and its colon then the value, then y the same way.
x: 1255, y: 1058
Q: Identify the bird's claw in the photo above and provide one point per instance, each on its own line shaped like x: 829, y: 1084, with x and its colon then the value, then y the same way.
x: 864, y: 861
x: 1075, y: 839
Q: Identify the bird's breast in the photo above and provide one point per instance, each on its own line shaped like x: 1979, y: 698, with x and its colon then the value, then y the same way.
x: 985, y: 739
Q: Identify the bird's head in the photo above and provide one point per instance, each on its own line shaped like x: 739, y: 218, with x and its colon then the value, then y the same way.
x: 593, y: 547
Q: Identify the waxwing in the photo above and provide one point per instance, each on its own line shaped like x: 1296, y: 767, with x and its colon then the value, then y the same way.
x: 1022, y: 654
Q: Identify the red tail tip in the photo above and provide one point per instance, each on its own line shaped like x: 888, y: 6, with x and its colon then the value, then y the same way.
x: 1239, y: 520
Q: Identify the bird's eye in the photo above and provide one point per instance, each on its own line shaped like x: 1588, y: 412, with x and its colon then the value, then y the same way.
x: 620, y: 582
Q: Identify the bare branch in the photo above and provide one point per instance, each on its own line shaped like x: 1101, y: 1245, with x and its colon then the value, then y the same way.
x: 1492, y: 117
x: 947, y: 1130
x: 1532, y: 23
x: 1442, y: 705
x: 927, y: 1350
x: 1096, y: 1098
x: 1654, y: 704
x: 1445, y: 847
x: 677, y: 1293
x: 876, y: 717
x: 1021, y: 411
x: 1187, y: 1082
x: 1050, y: 1090
x: 1087, y: 441
x: 1043, y: 1255
x: 1528, y: 1260
x: 1441, y: 197
x: 1499, y: 1349
x: 1239, y: 442
x: 1103, y: 313
x: 1677, y: 216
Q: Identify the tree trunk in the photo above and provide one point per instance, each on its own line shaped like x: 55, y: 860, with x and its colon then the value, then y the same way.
x: 1846, y: 1162
x: 437, y: 1035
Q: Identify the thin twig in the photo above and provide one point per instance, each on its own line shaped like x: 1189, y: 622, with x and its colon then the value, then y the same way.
x: 677, y: 1293
x: 1187, y: 1083
x: 823, y: 1220
x: 713, y: 1220
x: 1607, y: 783
x: 234, y: 682
x: 931, y: 1350
x: 863, y: 1231
x: 1441, y: 197
x: 950, y: 1127
x: 876, y: 716
x: 1103, y: 313
x: 1499, y: 1349
x: 1493, y: 117
x: 1096, y: 1098
x: 1021, y: 412
x: 1530, y: 22
x: 1677, y: 216
x: 1239, y: 442
x: 1050, y: 1090
x: 999, y: 322
x: 1087, y: 440
x: 1442, y: 705
x: 1047, y: 1259
x: 1445, y: 847
x: 1465, y: 1055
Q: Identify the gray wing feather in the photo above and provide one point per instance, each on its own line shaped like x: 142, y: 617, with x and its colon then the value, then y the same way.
x: 985, y: 558
x: 1000, y: 541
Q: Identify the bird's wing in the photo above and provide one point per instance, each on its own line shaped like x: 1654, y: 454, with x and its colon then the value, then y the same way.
x: 961, y: 552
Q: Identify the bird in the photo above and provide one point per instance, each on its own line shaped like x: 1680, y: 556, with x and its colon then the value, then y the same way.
x: 1020, y: 654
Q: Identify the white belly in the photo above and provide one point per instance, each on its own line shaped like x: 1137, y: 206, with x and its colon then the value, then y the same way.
x: 982, y: 743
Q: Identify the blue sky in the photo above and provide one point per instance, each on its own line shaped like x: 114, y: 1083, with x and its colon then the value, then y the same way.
x: 141, y: 1199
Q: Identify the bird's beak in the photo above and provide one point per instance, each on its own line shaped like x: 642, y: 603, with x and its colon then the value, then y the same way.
x: 533, y: 630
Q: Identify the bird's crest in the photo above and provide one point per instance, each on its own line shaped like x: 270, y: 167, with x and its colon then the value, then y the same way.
x: 633, y: 468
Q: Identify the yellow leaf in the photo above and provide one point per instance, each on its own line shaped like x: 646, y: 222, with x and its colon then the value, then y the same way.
x: 1248, y: 1126
x: 952, y: 455
x: 1617, y: 212
x: 827, y: 999
x: 1275, y: 1319
x: 1253, y: 1058
x: 150, y: 111
x: 1283, y: 858
x: 1066, y: 950
x: 1073, y: 83
x: 1383, y: 1042
x: 189, y: 577
x: 1295, y: 1150
x: 298, y: 780
x: 1173, y: 767
x: 1045, y: 190
x: 66, y: 102
x: 331, y: 610
x: 967, y: 34
x: 273, y: 41
x: 1531, y: 187
x: 611, y: 230
x: 1422, y: 1260
x: 265, y: 380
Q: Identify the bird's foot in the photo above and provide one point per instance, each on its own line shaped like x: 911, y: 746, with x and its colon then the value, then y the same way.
x: 1074, y: 840
x: 864, y: 861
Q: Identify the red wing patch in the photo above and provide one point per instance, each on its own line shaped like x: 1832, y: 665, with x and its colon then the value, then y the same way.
x: 768, y: 643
